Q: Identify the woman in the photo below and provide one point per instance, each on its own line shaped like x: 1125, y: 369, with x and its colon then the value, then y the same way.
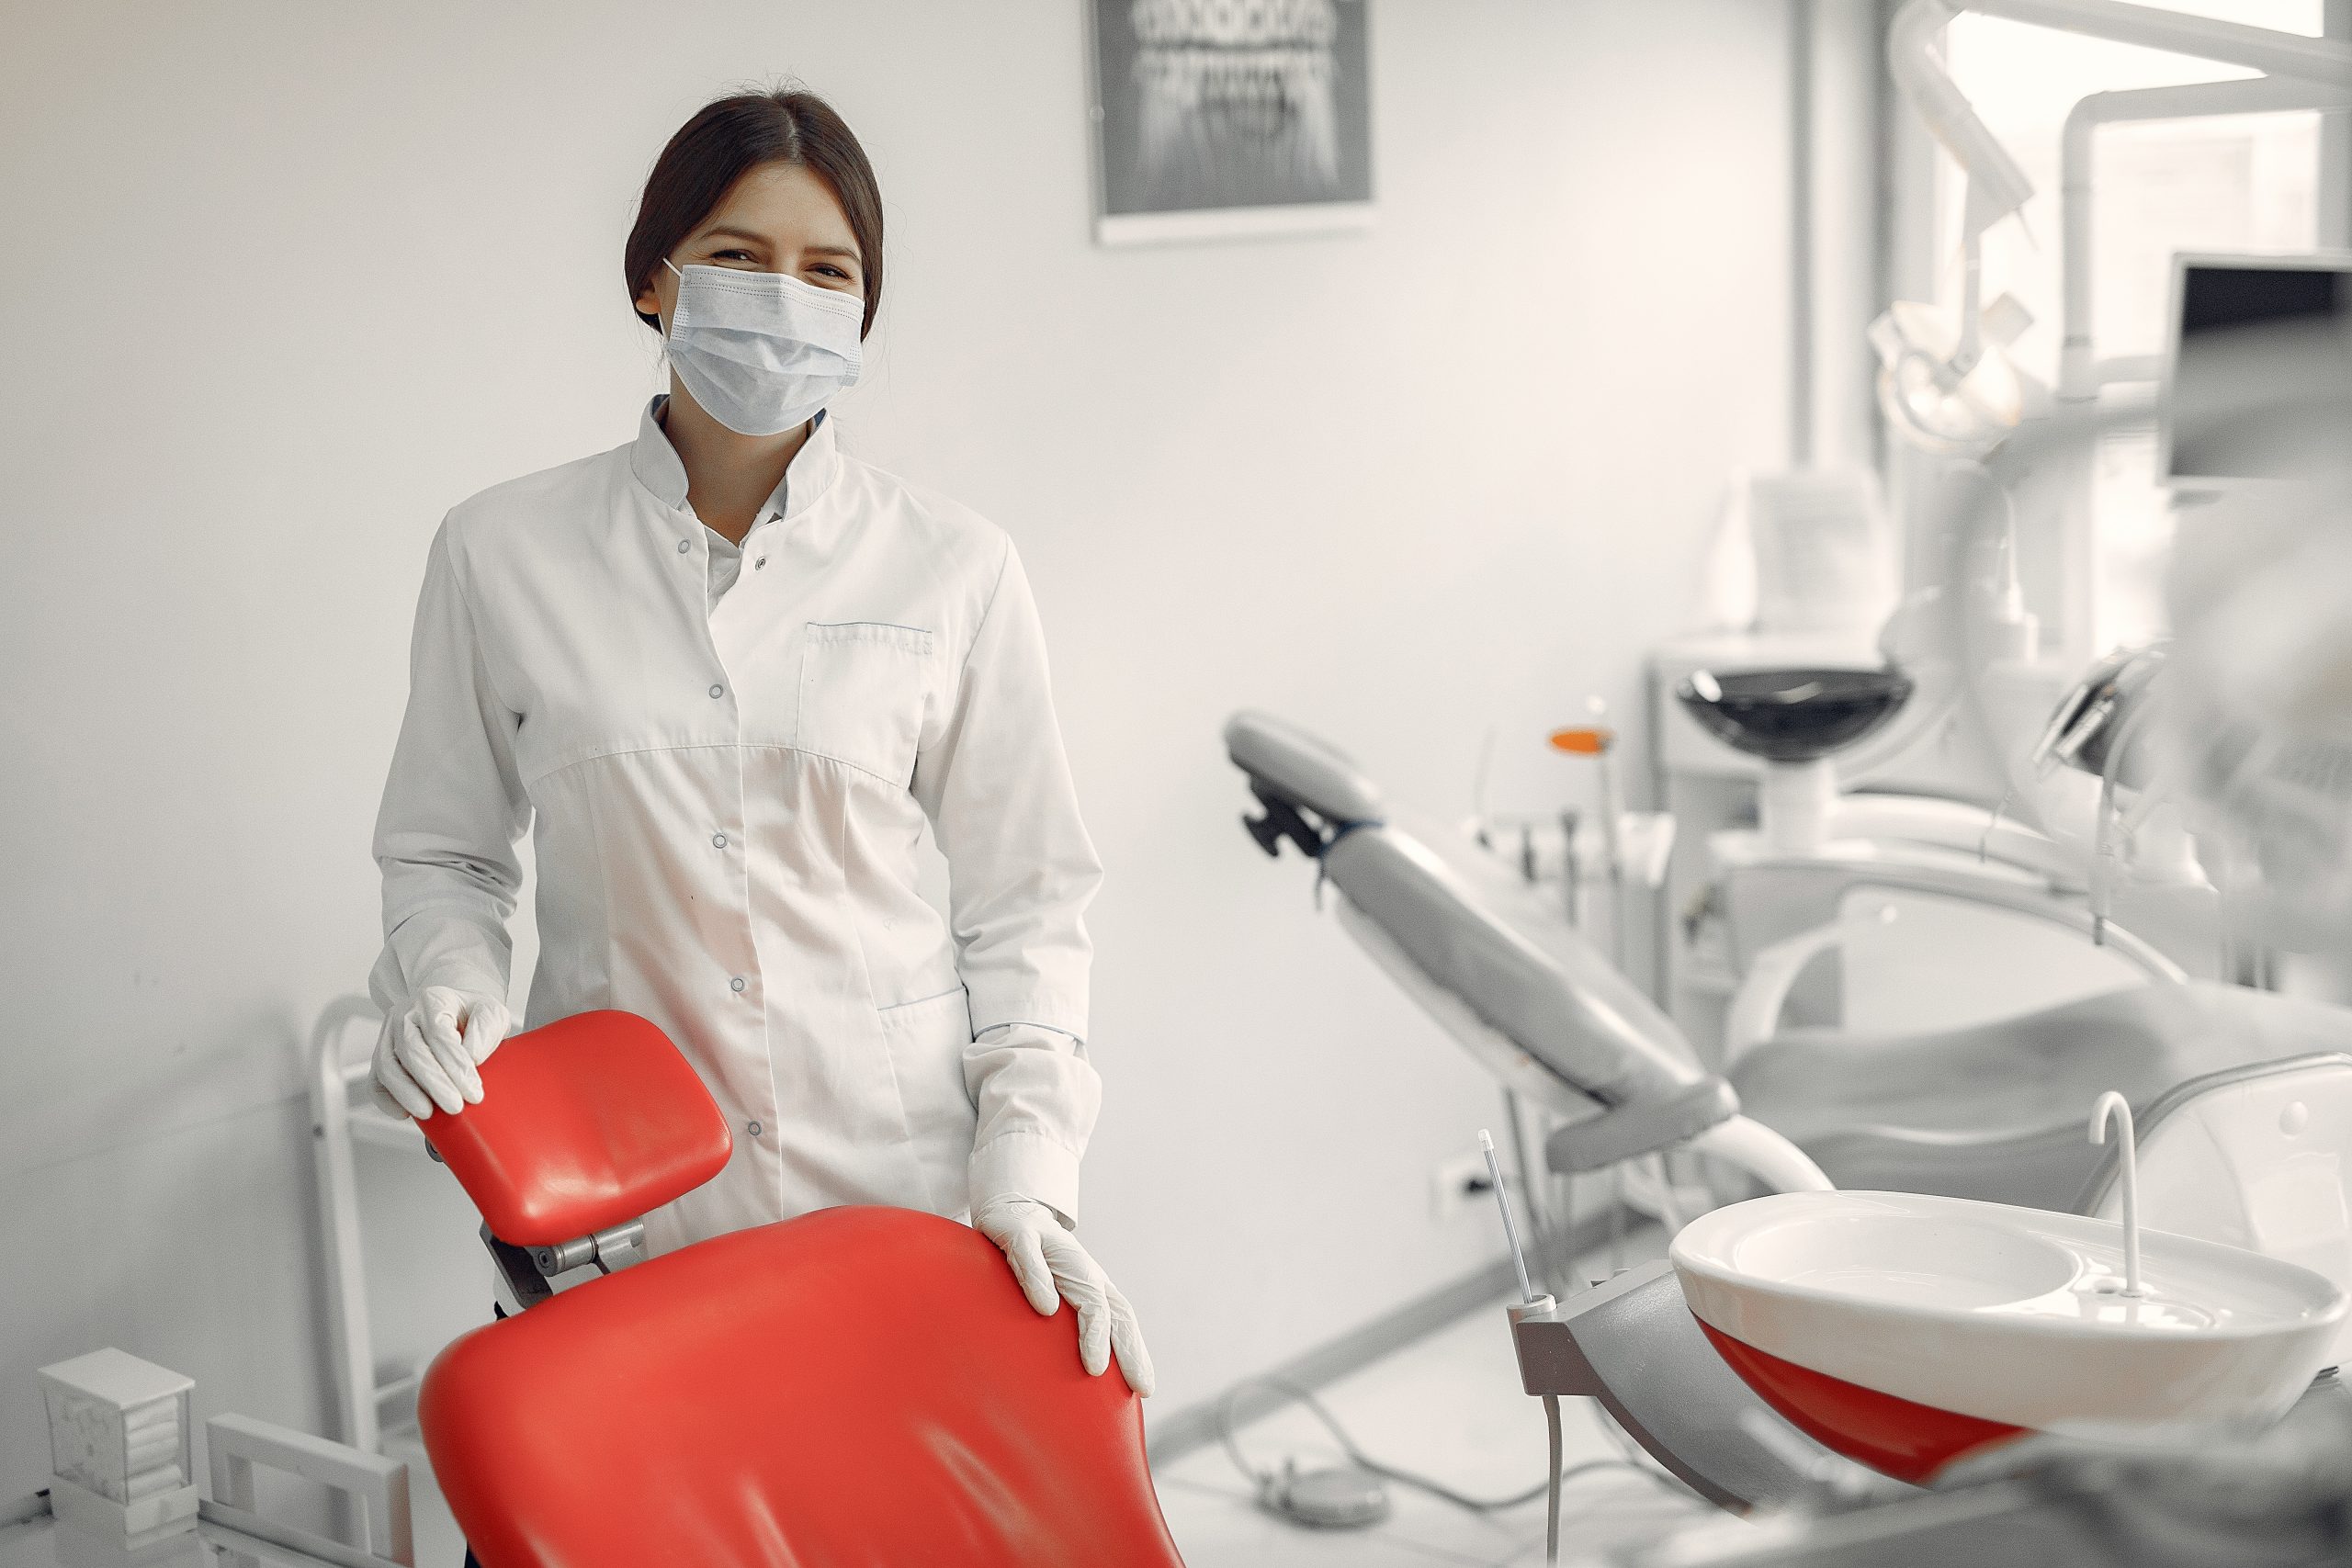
x: 725, y: 673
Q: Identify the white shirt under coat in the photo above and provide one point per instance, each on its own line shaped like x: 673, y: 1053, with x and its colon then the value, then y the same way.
x: 727, y: 775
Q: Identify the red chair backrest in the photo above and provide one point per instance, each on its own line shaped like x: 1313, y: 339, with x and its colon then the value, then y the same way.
x: 583, y: 1125
x: 857, y: 1386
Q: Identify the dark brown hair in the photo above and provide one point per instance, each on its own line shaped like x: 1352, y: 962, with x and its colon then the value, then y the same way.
x: 731, y: 136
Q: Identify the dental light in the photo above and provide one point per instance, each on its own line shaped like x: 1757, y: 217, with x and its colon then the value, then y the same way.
x: 1947, y: 385
x: 1947, y: 382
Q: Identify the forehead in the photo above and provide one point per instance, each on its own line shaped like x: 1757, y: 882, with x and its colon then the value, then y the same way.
x: 789, y: 203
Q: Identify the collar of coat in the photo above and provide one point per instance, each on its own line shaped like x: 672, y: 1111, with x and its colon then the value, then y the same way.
x: 657, y: 467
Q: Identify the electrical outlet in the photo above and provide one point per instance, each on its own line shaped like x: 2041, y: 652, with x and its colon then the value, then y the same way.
x: 1459, y: 1183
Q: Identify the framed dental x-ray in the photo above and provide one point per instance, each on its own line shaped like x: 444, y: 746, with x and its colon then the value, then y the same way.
x: 1218, y: 118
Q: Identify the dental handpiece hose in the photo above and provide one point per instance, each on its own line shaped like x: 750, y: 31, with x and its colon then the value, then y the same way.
x: 1533, y: 1303
x: 1511, y: 1227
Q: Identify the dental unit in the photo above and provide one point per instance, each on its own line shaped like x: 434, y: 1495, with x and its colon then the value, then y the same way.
x: 1989, y: 1114
x: 2136, y: 1373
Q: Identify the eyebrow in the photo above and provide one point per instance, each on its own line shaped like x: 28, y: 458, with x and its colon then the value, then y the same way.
x: 730, y: 233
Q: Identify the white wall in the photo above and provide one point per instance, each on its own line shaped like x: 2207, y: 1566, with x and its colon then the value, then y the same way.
x: 288, y: 280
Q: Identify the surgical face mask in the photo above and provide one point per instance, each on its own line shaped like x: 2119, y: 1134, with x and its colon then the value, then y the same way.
x: 762, y: 352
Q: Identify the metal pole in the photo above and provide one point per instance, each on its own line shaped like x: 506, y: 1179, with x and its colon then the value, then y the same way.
x: 2336, y: 152
x: 1800, y: 219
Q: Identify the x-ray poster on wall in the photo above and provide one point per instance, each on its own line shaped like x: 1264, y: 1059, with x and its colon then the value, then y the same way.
x: 1216, y: 118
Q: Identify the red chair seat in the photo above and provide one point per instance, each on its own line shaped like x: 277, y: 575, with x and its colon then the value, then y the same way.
x: 857, y: 1386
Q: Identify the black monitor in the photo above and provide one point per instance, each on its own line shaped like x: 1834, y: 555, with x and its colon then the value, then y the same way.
x: 2260, y: 365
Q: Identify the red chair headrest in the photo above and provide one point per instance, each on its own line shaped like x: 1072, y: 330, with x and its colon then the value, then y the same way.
x: 583, y: 1125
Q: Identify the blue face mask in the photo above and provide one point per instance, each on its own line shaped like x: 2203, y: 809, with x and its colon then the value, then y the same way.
x: 759, y: 351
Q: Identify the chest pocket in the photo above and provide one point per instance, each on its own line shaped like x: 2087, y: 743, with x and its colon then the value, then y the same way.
x: 862, y: 689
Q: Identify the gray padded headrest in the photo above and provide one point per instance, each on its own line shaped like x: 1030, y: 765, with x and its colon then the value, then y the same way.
x: 1558, y: 999
x: 1300, y: 768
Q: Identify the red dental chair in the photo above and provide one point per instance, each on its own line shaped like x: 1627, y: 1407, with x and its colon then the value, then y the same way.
x: 857, y: 1386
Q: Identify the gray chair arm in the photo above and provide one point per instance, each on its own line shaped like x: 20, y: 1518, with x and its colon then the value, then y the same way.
x: 1642, y: 1127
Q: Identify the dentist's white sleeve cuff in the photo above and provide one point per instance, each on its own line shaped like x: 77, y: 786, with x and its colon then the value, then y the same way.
x: 1022, y: 1164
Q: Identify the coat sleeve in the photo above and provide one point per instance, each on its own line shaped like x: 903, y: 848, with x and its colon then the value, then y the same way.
x: 453, y: 809
x: 996, y: 784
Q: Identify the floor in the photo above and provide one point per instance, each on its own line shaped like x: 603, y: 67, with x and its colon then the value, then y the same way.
x: 1448, y: 1406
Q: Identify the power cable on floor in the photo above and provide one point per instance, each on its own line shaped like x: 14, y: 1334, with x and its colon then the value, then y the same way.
x: 1282, y: 1491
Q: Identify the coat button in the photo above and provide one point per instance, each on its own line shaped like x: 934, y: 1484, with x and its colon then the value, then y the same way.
x: 753, y: 1128
x: 684, y: 546
x: 737, y: 983
x: 718, y: 840
x: 718, y: 691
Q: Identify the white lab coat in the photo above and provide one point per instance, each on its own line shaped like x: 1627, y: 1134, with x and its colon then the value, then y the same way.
x: 725, y: 798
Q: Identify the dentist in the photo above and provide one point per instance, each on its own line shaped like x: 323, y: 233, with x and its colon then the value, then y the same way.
x: 726, y: 674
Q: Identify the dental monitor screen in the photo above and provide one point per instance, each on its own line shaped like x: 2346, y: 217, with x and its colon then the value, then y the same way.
x: 2260, y: 365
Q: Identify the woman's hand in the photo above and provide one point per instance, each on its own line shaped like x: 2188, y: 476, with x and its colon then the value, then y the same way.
x: 429, y: 1055
x: 1051, y: 1266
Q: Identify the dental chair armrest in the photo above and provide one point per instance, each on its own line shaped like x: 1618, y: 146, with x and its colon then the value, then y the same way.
x: 1755, y: 1013
x: 1641, y: 1128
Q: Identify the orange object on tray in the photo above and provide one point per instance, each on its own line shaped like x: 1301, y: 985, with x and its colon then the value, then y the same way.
x: 1584, y: 740
x: 858, y: 1385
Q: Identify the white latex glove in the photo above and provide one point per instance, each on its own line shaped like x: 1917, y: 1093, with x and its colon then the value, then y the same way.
x: 1050, y: 1266
x: 428, y: 1055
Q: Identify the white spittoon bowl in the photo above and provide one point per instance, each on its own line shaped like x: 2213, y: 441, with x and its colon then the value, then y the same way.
x: 1906, y: 1331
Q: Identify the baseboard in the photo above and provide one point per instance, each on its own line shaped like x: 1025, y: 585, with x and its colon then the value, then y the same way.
x: 1181, y: 1431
